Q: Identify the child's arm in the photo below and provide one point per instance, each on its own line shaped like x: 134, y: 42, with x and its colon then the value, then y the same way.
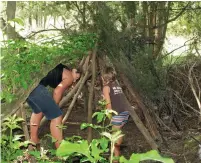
x: 106, y: 94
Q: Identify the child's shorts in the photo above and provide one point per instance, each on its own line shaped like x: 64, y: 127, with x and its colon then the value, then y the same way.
x: 40, y: 100
x: 120, y: 119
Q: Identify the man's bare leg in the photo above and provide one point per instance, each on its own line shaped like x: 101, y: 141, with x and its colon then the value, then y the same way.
x: 55, y: 131
x: 34, y: 125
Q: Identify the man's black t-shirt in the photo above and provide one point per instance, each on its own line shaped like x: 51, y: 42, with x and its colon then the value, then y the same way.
x: 54, y: 77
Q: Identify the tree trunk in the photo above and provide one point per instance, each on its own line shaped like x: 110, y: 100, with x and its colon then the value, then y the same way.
x: 161, y: 31
x: 30, y: 21
x: 44, y: 21
x: 2, y: 21
x: 10, y: 12
x: 84, y: 16
x: 145, y: 13
x: 37, y: 21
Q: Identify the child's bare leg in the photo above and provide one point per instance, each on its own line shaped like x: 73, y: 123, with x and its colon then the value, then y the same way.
x: 34, y: 125
x: 118, y: 142
x: 55, y: 131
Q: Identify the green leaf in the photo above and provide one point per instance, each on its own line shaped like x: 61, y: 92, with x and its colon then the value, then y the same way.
x: 18, y: 119
x: 17, y: 137
x: 85, y: 125
x: 151, y: 155
x: 35, y: 153
x: 116, y: 135
x: 95, y: 151
x: 104, y: 143
x: 100, y: 117
x: 15, y: 145
x: 18, y: 21
x: 24, y: 84
x: 67, y: 148
x: 107, y: 134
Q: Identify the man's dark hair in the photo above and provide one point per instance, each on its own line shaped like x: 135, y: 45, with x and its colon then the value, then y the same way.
x: 79, y: 70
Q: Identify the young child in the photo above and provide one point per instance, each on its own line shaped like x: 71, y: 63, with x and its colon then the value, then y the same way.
x: 117, y: 101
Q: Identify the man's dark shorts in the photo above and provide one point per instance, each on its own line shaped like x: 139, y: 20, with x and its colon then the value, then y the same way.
x: 40, y: 100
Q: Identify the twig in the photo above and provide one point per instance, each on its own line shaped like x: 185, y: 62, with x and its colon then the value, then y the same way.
x: 185, y: 103
x: 193, y: 88
x: 178, y: 48
x: 44, y: 30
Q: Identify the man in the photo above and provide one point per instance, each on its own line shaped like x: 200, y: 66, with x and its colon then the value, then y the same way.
x: 43, y: 103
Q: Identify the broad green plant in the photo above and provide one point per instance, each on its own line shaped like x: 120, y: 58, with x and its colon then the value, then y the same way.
x: 90, y: 152
x: 151, y: 155
x: 95, y: 151
x: 11, y: 144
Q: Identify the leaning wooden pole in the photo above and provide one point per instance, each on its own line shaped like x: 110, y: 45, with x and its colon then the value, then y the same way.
x: 143, y: 129
x: 91, y: 94
x: 26, y: 131
x: 150, y: 123
x: 83, y: 80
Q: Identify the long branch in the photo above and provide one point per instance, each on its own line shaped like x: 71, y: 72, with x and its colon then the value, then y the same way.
x: 192, y: 87
x: 178, y: 48
x: 91, y: 93
x: 171, y: 20
x: 44, y: 30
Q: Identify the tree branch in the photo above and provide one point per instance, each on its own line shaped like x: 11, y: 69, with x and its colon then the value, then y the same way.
x: 178, y: 48
x: 193, y: 88
x: 44, y: 30
x: 173, y: 19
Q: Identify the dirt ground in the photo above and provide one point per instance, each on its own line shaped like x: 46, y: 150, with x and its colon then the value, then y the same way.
x: 179, y: 145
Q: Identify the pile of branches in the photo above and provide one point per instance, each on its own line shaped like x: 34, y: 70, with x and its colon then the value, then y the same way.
x: 184, y: 87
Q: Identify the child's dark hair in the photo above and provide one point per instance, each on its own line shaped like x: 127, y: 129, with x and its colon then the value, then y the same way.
x: 109, y: 74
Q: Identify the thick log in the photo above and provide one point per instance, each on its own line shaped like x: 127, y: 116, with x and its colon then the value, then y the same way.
x: 143, y: 129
